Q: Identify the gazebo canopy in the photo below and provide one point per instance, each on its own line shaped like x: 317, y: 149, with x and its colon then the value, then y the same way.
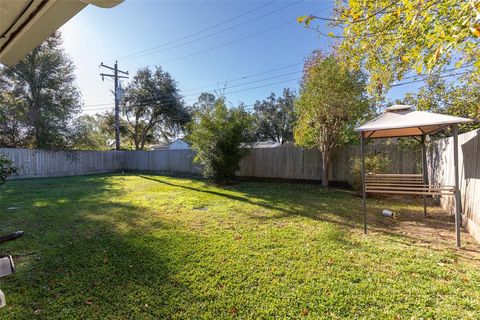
x: 403, y: 121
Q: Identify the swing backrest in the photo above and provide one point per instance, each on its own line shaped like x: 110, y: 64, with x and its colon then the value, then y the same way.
x: 403, y: 184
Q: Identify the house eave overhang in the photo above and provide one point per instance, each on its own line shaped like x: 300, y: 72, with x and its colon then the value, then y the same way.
x: 26, y: 23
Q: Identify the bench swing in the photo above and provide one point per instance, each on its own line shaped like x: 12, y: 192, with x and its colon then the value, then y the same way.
x: 402, y: 121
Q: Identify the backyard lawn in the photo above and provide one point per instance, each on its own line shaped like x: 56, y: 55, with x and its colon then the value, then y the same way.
x: 154, y: 247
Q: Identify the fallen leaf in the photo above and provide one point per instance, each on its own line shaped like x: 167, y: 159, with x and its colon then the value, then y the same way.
x: 234, y: 311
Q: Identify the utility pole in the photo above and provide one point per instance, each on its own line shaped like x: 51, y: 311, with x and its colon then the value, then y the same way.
x: 116, y: 91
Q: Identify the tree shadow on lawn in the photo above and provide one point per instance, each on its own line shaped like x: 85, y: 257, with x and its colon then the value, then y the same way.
x: 343, y: 208
x: 92, y: 256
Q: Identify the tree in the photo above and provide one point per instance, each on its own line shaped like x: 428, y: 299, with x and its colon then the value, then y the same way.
x: 332, y: 100
x: 92, y: 133
x: 7, y: 168
x: 437, y: 95
x: 46, y: 97
x: 13, y: 132
x: 153, y: 107
x: 204, y: 102
x: 390, y: 38
x: 216, y: 133
x: 275, y: 117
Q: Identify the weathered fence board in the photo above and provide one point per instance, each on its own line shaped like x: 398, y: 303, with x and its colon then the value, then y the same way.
x: 441, y: 171
x: 42, y: 163
x: 175, y: 161
x: 290, y: 162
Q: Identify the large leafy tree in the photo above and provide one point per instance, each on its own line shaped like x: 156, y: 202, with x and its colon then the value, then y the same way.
x: 13, y: 131
x: 45, y: 97
x: 216, y: 133
x: 153, y: 107
x: 389, y: 38
x: 275, y: 117
x: 93, y: 132
x: 331, y: 102
x: 438, y: 95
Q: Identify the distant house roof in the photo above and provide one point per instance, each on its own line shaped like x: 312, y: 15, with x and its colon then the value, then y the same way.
x: 262, y: 144
x: 175, y: 144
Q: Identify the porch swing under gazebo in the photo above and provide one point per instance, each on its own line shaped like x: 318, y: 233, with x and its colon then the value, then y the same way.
x: 402, y: 121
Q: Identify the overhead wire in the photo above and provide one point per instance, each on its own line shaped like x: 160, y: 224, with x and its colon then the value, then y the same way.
x: 197, y: 32
x: 275, y: 77
x: 159, y: 50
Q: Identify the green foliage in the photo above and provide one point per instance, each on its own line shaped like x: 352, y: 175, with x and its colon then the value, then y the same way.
x: 374, y: 163
x: 153, y: 107
x: 437, y: 95
x: 156, y: 247
x: 216, y: 133
x: 7, y: 168
x: 391, y: 38
x: 275, y: 118
x: 332, y: 101
x: 39, y: 98
x: 92, y: 133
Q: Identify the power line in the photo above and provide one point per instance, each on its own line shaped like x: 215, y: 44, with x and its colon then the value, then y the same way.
x: 270, y: 78
x: 153, y: 51
x: 218, y: 82
x: 197, y: 32
x: 246, y: 77
x: 229, y: 42
x: 156, y: 100
x: 231, y: 92
x: 233, y: 41
x: 421, y: 80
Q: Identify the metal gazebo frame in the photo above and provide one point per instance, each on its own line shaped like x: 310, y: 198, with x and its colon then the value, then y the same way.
x: 403, y: 121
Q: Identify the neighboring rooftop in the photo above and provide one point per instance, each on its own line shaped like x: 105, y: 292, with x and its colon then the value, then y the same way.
x: 174, y: 145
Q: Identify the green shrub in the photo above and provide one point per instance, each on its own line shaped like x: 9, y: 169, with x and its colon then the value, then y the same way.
x: 6, y: 168
x: 375, y: 163
x: 216, y: 133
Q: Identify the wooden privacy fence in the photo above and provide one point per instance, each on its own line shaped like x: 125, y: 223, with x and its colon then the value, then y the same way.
x: 42, y: 163
x: 441, y: 171
x: 290, y: 162
x: 177, y: 161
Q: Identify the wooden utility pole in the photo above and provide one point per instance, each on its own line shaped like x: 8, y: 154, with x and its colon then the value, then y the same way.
x: 116, y: 93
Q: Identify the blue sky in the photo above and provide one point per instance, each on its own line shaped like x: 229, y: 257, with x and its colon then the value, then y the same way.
x: 251, y: 47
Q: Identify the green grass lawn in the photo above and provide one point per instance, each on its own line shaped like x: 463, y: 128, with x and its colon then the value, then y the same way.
x: 156, y: 247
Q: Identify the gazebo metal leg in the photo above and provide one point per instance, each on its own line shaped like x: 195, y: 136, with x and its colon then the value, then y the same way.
x: 458, y: 215
x: 364, y: 193
x: 425, y: 173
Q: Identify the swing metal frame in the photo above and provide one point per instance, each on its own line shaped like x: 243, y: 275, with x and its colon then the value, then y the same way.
x: 419, y: 125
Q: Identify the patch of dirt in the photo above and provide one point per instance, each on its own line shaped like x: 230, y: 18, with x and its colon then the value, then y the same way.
x: 436, y: 231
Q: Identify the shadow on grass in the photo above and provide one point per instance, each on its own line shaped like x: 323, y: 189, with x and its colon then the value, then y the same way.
x: 340, y: 207
x: 88, y: 255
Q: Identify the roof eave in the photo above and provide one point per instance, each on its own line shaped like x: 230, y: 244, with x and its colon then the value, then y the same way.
x: 39, y: 23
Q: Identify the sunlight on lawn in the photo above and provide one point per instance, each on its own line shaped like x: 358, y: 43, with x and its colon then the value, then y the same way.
x: 148, y: 247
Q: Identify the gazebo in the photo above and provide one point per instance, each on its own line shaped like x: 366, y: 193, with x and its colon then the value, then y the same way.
x: 402, y: 121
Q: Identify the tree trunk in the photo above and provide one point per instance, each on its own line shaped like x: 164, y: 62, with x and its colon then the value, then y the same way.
x: 325, y: 167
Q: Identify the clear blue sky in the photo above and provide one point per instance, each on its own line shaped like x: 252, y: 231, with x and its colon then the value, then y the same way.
x: 256, y: 37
